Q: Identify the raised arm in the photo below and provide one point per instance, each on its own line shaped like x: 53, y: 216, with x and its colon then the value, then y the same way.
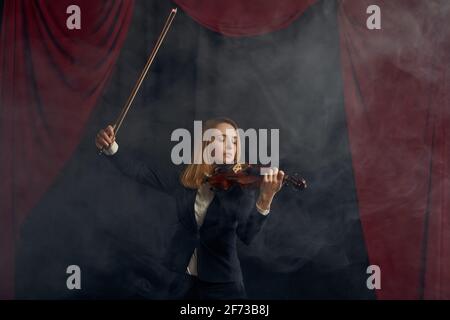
x: 135, y: 166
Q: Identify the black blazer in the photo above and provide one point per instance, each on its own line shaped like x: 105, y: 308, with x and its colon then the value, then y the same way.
x: 230, y: 213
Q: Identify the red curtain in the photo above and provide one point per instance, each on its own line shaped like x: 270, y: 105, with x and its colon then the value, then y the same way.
x: 396, y: 96
x: 50, y: 79
x: 244, y: 18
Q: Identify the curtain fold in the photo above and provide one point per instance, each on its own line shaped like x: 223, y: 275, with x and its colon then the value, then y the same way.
x: 50, y: 80
x: 236, y: 18
x: 396, y: 96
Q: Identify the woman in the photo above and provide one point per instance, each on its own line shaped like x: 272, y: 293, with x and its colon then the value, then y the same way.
x: 204, y: 244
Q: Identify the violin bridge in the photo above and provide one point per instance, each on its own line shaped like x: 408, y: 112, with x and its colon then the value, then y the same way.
x: 237, y: 167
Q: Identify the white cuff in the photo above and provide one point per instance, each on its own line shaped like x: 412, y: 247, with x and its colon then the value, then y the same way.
x: 112, y: 149
x: 263, y: 212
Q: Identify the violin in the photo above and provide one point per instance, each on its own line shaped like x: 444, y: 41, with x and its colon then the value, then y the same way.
x: 246, y: 175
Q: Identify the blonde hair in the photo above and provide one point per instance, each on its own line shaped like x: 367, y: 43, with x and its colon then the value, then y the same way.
x: 193, y: 174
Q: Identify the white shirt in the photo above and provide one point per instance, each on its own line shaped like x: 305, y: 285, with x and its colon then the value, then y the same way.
x: 203, y: 199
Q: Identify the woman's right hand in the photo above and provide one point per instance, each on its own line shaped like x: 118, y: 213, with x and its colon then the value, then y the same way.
x: 105, y: 137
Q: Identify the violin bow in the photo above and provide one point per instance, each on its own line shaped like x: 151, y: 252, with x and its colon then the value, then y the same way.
x: 144, y: 72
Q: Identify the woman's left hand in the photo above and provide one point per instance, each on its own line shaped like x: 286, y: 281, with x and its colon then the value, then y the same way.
x: 270, y: 185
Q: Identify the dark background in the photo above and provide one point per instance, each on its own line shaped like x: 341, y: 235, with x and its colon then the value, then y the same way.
x: 115, y: 229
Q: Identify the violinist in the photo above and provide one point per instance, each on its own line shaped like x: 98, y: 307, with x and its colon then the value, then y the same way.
x: 209, y: 220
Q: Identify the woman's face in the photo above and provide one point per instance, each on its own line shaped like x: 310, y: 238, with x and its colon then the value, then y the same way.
x: 226, y: 145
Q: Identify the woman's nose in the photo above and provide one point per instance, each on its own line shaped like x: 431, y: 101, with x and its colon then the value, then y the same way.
x: 228, y: 145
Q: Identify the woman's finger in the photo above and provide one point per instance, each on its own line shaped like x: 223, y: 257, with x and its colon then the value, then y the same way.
x: 275, y: 175
x: 103, y: 142
x: 110, y: 130
x: 270, y: 175
x: 106, y: 137
x: 281, y: 175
